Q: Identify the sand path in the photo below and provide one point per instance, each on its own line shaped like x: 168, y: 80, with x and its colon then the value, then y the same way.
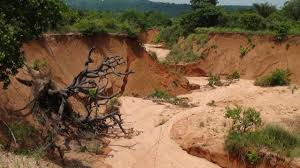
x: 154, y: 148
x: 160, y: 52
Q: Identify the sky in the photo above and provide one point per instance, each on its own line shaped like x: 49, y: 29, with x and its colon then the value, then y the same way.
x: 232, y: 2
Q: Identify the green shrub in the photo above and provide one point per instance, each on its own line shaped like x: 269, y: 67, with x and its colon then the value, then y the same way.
x: 160, y: 94
x: 38, y: 64
x: 243, y: 51
x: 179, y: 55
x: 281, y: 31
x: 278, y: 77
x: 252, y: 21
x: 165, y: 97
x: 214, y: 80
x: 246, y: 138
x: 243, y: 119
x: 234, y: 75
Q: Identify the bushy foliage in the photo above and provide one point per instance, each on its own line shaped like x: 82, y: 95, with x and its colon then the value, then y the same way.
x: 169, y: 35
x: 243, y: 119
x: 252, y: 21
x: 214, y: 80
x: 200, y: 3
x: 206, y: 16
x: 21, y: 21
x: 292, y: 9
x: 234, y: 75
x: 264, y: 9
x: 278, y: 77
x: 246, y: 138
x: 128, y: 22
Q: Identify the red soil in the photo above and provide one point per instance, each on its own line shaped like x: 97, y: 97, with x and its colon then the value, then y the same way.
x: 224, y: 56
x: 65, y: 56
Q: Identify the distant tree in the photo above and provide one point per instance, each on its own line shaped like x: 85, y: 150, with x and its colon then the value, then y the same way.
x: 264, y: 9
x: 252, y: 21
x: 21, y: 21
x: 206, y: 16
x: 292, y: 9
x: 200, y: 3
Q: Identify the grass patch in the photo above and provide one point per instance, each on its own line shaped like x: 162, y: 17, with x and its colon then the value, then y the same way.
x: 162, y: 96
x: 273, y: 138
x: 278, y: 77
x: 248, y: 141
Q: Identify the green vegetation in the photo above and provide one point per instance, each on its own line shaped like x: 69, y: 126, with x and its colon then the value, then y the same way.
x: 214, y: 80
x: 278, y: 77
x: 22, y: 131
x: 162, y: 96
x: 128, y: 22
x: 234, y: 75
x: 21, y: 21
x: 170, y: 9
x: 246, y: 138
x: 243, y: 119
x: 38, y: 64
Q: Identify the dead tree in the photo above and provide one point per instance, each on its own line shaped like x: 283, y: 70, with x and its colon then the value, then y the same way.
x: 51, y: 107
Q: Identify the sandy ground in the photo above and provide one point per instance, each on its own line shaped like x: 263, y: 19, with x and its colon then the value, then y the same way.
x: 160, y: 52
x: 153, y: 146
x: 161, y: 126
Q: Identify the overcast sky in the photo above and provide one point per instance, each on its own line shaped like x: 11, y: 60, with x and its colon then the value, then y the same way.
x: 232, y: 2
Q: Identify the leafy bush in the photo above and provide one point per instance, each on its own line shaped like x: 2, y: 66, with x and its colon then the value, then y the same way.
x: 179, y: 55
x: 246, y: 138
x: 252, y: 21
x: 264, y: 9
x: 160, y: 94
x: 214, y: 80
x: 243, y: 119
x: 281, y: 31
x: 206, y: 16
x: 169, y: 35
x: 234, y: 75
x: 278, y: 77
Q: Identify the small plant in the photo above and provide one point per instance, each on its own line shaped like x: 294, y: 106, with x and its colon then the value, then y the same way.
x: 234, y: 75
x: 160, y: 94
x: 93, y: 93
x: 243, y: 119
x: 253, y: 157
x: 94, y: 147
x: 278, y: 77
x: 38, y: 64
x: 214, y: 80
x: 243, y: 51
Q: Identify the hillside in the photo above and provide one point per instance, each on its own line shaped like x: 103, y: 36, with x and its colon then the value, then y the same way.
x: 170, y: 9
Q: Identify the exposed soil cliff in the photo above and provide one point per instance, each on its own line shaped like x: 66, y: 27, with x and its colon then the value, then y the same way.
x: 65, y: 56
x: 223, y: 55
